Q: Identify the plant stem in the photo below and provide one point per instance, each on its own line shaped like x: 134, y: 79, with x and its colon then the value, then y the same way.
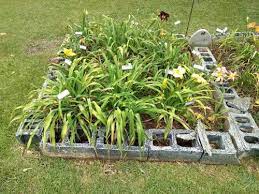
x: 189, y: 19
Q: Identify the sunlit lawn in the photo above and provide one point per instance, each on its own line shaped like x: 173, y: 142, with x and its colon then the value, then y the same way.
x: 34, y: 30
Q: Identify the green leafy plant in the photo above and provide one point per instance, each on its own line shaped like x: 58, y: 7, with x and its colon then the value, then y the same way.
x: 128, y: 74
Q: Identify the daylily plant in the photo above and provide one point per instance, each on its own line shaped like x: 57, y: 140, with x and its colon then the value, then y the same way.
x: 69, y: 52
x: 106, y: 93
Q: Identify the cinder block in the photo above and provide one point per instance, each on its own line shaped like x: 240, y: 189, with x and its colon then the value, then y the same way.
x: 52, y: 74
x: 225, y: 92
x: 160, y: 149
x: 173, y: 148
x: 236, y: 137
x: 239, y: 127
x: 66, y: 149
x: 247, y: 143
x: 107, y: 151
x: 252, y: 143
x: 237, y: 105
x: 241, y: 35
x: 222, y: 149
x: 25, y: 130
x: 244, y: 122
x: 207, y: 59
x: 187, y: 150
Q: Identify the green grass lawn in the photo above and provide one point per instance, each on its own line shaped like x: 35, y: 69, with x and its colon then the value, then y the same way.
x: 34, y: 31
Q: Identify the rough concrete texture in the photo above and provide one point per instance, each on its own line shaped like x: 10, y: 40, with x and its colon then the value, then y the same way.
x: 252, y: 143
x: 208, y: 61
x: 107, y: 151
x: 244, y: 133
x: 160, y: 149
x: 237, y: 105
x: 244, y: 122
x: 222, y: 149
x: 236, y: 137
x: 25, y: 131
x: 201, y: 130
x: 173, y: 149
x: 67, y: 150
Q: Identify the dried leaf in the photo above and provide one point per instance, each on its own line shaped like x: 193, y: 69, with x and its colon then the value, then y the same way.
x: 251, y: 25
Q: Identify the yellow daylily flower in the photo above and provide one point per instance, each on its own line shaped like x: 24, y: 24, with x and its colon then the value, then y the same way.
x: 162, y: 32
x: 179, y: 72
x: 212, y: 119
x: 257, y: 29
x: 232, y: 76
x: 69, y: 52
x: 199, y: 78
x: 164, y: 83
x: 251, y: 25
x: 199, y: 116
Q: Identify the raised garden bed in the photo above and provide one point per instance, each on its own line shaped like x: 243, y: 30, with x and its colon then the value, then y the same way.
x: 112, y: 82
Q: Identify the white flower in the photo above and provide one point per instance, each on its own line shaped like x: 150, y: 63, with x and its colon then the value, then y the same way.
x: 179, y: 72
x: 177, y: 22
x: 220, y: 73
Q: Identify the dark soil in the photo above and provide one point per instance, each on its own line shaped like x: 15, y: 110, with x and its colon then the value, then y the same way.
x: 43, y: 46
x: 214, y: 145
x: 159, y: 140
x: 185, y: 143
x: 109, y: 141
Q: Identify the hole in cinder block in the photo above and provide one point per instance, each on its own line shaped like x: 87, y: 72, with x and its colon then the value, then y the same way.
x: 216, y: 142
x: 224, y: 84
x: 134, y: 142
x: 232, y: 97
x: 205, y: 54
x: 207, y: 59
x: 246, y: 129
x: 230, y: 105
x: 229, y: 90
x: 185, y: 143
x: 80, y: 136
x: 160, y: 141
x: 202, y: 49
x: 242, y: 119
x: 251, y: 139
x: 210, y: 67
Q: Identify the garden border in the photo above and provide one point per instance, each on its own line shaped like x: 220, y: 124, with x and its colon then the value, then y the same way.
x: 202, y: 150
